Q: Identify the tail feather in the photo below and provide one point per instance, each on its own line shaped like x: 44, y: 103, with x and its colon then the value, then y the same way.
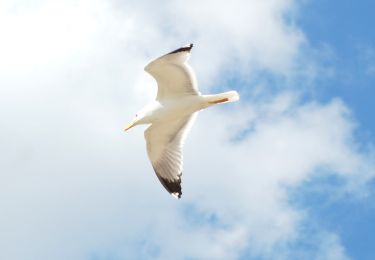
x: 230, y: 96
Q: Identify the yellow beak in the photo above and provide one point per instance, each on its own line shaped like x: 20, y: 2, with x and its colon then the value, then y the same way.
x: 129, y: 126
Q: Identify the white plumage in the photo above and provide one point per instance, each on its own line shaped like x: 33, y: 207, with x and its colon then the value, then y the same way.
x: 172, y: 114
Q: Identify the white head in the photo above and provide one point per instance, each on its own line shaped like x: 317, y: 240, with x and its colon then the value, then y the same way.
x: 142, y: 117
x: 136, y: 121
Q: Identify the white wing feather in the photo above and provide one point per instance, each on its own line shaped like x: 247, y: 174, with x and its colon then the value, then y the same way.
x: 173, y: 75
x: 164, y: 148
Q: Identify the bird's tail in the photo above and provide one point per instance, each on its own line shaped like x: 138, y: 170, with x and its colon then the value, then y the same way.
x: 229, y: 96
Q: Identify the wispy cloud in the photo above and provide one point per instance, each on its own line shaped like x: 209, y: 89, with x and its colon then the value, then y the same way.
x: 367, y: 59
x: 75, y: 187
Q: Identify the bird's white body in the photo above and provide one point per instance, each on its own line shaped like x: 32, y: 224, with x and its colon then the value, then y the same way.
x: 172, y: 109
x: 172, y: 114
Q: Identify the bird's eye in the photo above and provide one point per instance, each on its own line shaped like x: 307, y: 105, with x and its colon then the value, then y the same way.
x: 136, y: 115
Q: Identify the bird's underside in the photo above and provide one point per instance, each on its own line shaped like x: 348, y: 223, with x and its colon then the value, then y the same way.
x: 175, y: 79
x: 165, y: 139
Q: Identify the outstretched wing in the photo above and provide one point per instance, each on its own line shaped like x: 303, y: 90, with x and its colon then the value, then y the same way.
x: 164, y: 148
x: 173, y: 75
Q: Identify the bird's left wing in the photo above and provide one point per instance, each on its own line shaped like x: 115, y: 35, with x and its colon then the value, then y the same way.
x: 174, y: 76
x: 164, y: 148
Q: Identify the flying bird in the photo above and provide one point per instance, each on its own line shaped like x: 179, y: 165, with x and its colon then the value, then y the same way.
x: 172, y: 114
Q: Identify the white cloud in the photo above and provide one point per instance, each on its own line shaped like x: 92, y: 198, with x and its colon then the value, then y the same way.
x: 367, y: 59
x: 331, y: 248
x: 74, y: 186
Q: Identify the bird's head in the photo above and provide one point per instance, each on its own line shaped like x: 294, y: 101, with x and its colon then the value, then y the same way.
x: 136, y: 120
x: 144, y: 116
x: 139, y: 118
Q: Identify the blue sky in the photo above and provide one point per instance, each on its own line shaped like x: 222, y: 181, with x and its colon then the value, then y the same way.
x: 286, y: 173
x: 346, y: 28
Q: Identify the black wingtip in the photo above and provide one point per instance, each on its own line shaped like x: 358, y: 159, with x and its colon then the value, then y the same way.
x: 184, y: 48
x: 177, y: 195
x: 172, y: 186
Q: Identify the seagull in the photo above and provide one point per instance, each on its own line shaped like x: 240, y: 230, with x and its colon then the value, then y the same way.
x: 172, y: 114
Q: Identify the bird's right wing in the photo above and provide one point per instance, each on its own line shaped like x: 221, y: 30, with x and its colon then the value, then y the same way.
x: 164, y: 148
x: 173, y: 75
